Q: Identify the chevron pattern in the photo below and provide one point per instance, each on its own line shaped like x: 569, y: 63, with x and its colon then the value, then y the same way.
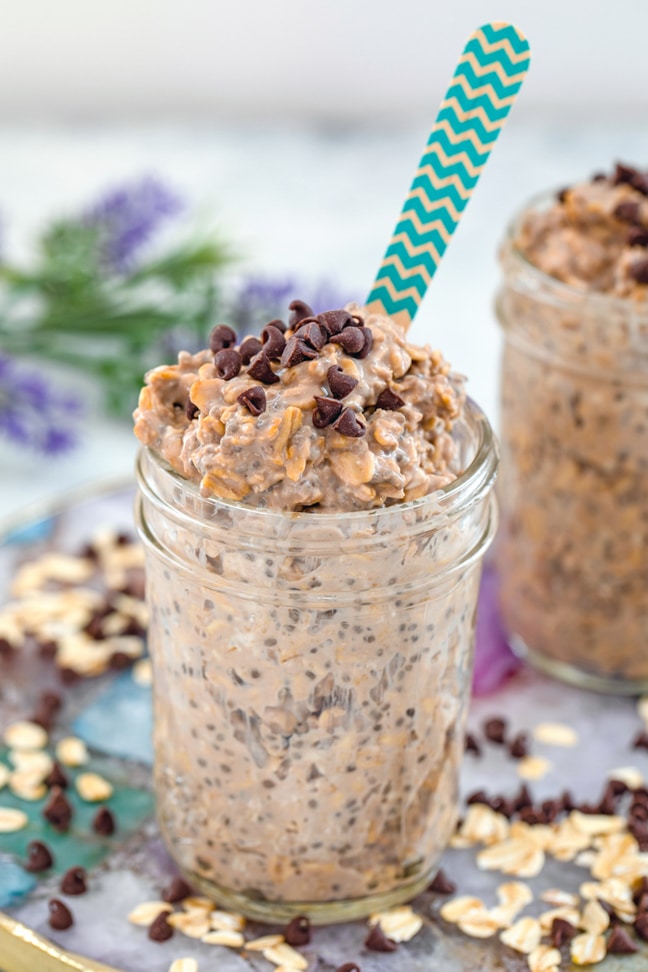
x: 488, y: 77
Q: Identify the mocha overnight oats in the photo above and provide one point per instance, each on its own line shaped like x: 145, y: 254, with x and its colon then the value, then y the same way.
x: 315, y: 505
x: 574, y: 485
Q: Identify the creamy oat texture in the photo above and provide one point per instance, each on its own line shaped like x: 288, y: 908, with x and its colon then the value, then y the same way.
x: 279, y: 459
x: 574, y: 432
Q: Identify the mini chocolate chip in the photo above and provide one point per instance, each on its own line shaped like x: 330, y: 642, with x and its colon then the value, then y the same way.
x: 51, y: 701
x: 273, y: 342
x: 249, y: 348
x: 56, y: 777
x: 562, y: 931
x: 523, y: 798
x: 48, y: 649
x: 39, y: 857
x: 607, y: 804
x: 642, y: 903
x: 519, y: 746
x: 348, y: 967
x: 191, y: 410
x: 640, y: 183
x: 442, y: 884
x: 389, y: 400
x: 6, y: 648
x: 160, y: 930
x: 314, y: 334
x: 471, y: 745
x: 57, y: 811
x: 627, y: 211
x: 176, y: 891
x: 74, y: 881
x: 639, y: 271
x: 227, y: 363
x: 495, y: 730
x: 221, y: 337
x: 254, y: 399
x: 103, y: 822
x: 620, y: 943
x: 297, y: 351
x: 624, y: 173
x: 368, y: 343
x: 349, y: 425
x: 261, y: 371
x: 637, y: 236
x: 60, y: 916
x: 641, y: 926
x: 550, y: 809
x: 328, y: 409
x: 335, y: 320
x: 377, y: 941
x: 561, y: 195
x: 298, y: 311
x: 300, y: 325
x: 278, y: 323
x: 619, y: 787
x: 501, y: 805
x: 340, y: 383
x: 119, y: 661
x: 531, y: 816
x: 351, y: 339
x: 640, y: 889
x: 599, y: 177
x: 478, y: 796
x: 298, y: 931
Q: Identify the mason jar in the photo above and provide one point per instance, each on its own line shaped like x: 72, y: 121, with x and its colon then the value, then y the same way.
x: 311, y: 677
x: 573, y: 545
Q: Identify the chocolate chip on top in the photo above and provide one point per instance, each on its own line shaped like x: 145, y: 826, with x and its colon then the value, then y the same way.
x: 249, y: 348
x: 348, y: 424
x: 351, y: 339
x: 273, y: 342
x: 627, y: 211
x: 335, y: 320
x: 298, y: 311
x: 328, y: 409
x: 221, y: 337
x: 314, y: 334
x: 254, y: 399
x: 340, y: 383
x: 637, y: 236
x: 296, y: 351
x: 261, y: 370
x: 227, y: 363
x: 639, y: 271
x: 389, y: 400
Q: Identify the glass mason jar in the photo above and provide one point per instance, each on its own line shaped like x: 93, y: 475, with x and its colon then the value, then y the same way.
x: 311, y: 677
x: 573, y: 545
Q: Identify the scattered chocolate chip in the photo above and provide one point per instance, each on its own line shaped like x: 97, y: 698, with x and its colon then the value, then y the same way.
x: 471, y: 745
x: 627, y: 211
x: 119, y: 661
x: 523, y: 798
x: 47, y: 649
x: 191, y: 410
x: 348, y: 967
x: 637, y: 236
x: 273, y: 342
x: 297, y: 351
x: 103, y: 822
x: 620, y: 943
x: 351, y: 339
x: 442, y: 884
x: 6, y: 649
x: 298, y: 311
x: 57, y: 811
x: 221, y: 337
x: 478, y: 796
x: 68, y: 676
x: 608, y: 801
x: 39, y: 857
x: 368, y: 343
x: 550, y: 810
x: 313, y: 334
x: 349, y: 425
x: 639, y: 271
x: 328, y: 409
x: 227, y: 363
x: 254, y: 399
x: 298, y: 931
x: 531, y: 816
x: 160, y: 930
x: 74, y: 881
x: 519, y: 746
x: 501, y: 805
x: 377, y: 941
x: 561, y: 195
x: 495, y: 730
x: 261, y: 370
x: 618, y: 787
x: 562, y: 931
x: 56, y: 777
x: 335, y: 320
x: 641, y: 926
x: 47, y: 706
x: 60, y: 916
x: 389, y: 400
x: 340, y: 383
x: 249, y: 348
x: 176, y: 891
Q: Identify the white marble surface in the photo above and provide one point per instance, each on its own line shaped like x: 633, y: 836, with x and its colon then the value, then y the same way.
x: 312, y: 203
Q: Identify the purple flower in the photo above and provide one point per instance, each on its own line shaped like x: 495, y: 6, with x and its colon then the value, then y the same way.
x: 261, y: 299
x: 33, y: 413
x: 127, y: 217
x: 494, y: 660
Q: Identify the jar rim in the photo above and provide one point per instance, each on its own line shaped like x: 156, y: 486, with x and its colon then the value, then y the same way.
x: 559, y: 289
x: 469, y: 486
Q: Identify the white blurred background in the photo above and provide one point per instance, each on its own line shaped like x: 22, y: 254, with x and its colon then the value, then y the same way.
x: 295, y: 126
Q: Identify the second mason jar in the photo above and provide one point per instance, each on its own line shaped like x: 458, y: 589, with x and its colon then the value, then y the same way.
x: 573, y: 543
x: 312, y: 673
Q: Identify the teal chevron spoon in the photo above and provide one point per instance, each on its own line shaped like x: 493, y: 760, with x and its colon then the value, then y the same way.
x: 488, y: 77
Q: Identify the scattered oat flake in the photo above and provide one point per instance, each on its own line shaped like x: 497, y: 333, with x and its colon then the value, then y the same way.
x: 523, y: 936
x: 266, y: 941
x: 567, y: 913
x: 231, y: 939
x: 27, y: 785
x: 399, y: 924
x: 194, y: 923
x: 143, y: 672
x: 285, y: 954
x: 25, y: 735
x: 184, y: 965
x: 194, y: 902
x: 533, y: 767
x: 481, y: 825
x: 587, y: 949
x: 596, y: 824
x: 555, y: 734
x: 72, y: 751
x: 457, y: 908
x: 544, y: 958
x: 93, y: 788
x: 594, y: 919
x: 12, y: 820
x: 514, y: 894
x: 33, y: 760
x: 629, y: 775
x: 480, y: 925
x: 226, y: 921
x: 146, y: 912
x: 559, y: 898
x: 514, y: 856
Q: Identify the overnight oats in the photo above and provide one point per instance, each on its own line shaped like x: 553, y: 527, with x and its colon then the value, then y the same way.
x: 315, y: 505
x: 574, y: 484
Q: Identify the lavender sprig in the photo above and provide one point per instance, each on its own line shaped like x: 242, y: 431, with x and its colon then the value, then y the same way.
x: 33, y: 413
